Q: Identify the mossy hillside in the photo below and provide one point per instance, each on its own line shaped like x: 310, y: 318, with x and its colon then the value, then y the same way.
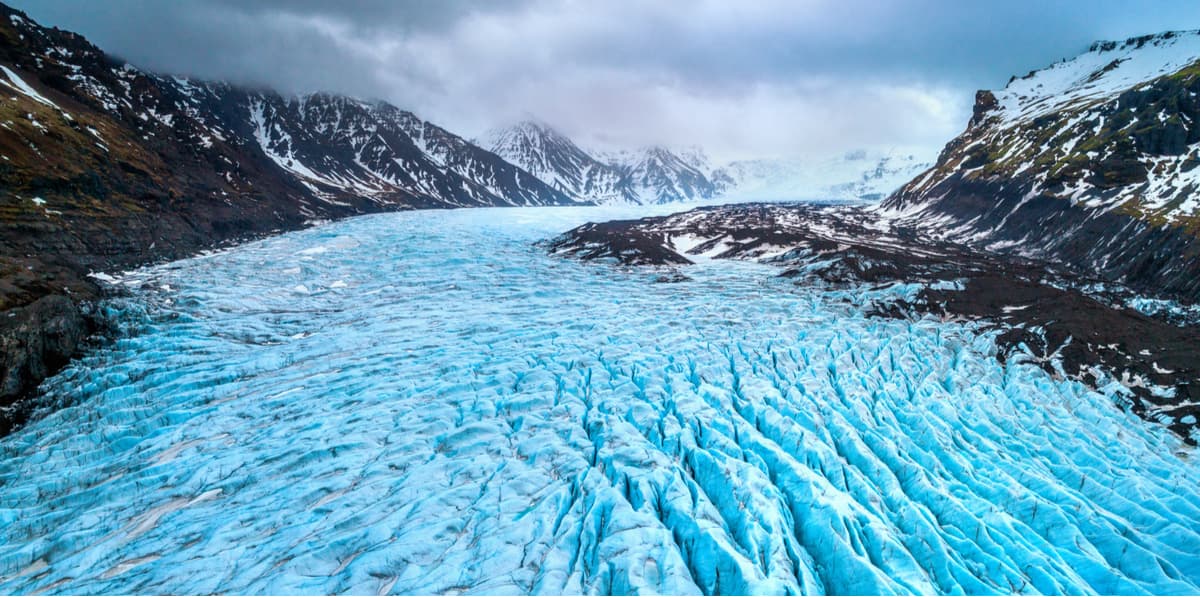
x: 1102, y: 144
x: 60, y: 157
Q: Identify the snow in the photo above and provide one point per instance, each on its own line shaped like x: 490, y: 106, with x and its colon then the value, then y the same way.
x: 1162, y: 371
x: 481, y: 417
x: 1172, y: 179
x: 20, y: 85
x: 1080, y: 94
x: 848, y: 176
x: 104, y: 277
x: 684, y: 243
x: 271, y: 138
x: 1084, y: 79
x: 557, y: 161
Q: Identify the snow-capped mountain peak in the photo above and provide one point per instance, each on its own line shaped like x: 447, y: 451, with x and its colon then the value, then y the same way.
x: 556, y: 160
x: 1090, y: 161
x: 652, y: 174
x: 529, y: 134
x: 696, y: 157
x: 656, y: 173
x: 1107, y: 69
x: 659, y: 176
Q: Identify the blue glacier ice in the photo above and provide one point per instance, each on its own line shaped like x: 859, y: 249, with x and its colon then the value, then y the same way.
x: 426, y: 402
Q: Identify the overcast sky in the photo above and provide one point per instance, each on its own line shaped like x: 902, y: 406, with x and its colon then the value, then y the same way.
x: 739, y: 78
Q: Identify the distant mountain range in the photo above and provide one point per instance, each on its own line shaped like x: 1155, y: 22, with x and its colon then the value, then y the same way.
x: 861, y: 174
x: 646, y: 176
x: 656, y: 174
x: 106, y: 166
x: 1093, y: 162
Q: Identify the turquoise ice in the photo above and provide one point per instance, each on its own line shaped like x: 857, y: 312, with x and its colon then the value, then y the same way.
x: 426, y: 402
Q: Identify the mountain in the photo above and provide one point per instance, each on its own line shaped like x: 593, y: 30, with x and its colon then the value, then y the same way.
x: 560, y: 163
x: 1091, y: 161
x: 860, y: 175
x: 101, y: 159
x: 1066, y: 216
x: 340, y: 147
x: 649, y: 175
x: 106, y: 166
x: 657, y: 174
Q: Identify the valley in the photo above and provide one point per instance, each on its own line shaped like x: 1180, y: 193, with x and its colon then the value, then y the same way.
x: 260, y: 341
x: 371, y: 406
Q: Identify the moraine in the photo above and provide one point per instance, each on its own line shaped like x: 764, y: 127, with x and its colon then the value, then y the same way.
x: 429, y: 403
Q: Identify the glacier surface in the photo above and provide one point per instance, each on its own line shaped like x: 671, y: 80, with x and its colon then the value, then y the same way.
x: 428, y: 403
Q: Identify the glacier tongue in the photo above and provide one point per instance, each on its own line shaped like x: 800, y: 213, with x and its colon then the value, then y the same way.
x: 439, y: 416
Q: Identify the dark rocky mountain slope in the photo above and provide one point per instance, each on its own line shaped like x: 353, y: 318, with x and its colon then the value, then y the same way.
x: 1092, y: 162
x: 105, y: 166
x: 1072, y: 194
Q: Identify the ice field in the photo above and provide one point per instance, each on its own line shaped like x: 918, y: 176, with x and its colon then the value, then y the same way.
x: 427, y: 403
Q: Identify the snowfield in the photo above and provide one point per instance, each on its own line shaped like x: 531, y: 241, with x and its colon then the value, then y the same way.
x: 425, y: 402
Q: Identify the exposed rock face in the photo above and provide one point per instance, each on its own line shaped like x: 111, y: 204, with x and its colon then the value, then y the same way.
x: 105, y: 167
x: 35, y: 341
x: 1091, y: 162
x: 622, y: 241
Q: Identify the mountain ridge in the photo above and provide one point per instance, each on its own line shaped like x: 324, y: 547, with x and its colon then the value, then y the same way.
x: 107, y: 166
x: 659, y: 174
x: 1091, y: 162
x: 653, y: 174
x: 559, y: 162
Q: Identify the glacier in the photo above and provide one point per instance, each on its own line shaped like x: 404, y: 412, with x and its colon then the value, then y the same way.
x: 427, y: 402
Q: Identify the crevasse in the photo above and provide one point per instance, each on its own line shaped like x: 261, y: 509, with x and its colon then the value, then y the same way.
x: 427, y: 403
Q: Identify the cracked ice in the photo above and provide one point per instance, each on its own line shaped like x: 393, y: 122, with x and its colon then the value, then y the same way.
x: 427, y: 403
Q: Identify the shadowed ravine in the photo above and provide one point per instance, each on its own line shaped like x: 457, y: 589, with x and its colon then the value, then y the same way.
x: 378, y: 405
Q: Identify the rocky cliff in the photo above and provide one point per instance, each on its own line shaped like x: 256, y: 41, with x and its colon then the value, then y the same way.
x: 1091, y: 162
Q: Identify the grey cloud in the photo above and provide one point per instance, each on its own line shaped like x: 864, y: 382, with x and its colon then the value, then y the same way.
x: 741, y: 78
